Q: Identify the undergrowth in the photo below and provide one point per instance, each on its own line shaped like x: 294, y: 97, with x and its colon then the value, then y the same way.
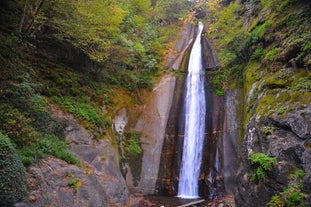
x: 261, y: 164
x: 292, y: 195
x: 12, y: 174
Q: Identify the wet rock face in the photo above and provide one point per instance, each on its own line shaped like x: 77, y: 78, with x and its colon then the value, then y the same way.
x: 285, y: 137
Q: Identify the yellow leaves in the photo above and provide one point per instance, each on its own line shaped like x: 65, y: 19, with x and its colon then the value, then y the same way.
x: 214, y: 5
x: 90, y: 25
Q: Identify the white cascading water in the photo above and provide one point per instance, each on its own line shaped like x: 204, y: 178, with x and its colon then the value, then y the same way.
x: 195, y: 110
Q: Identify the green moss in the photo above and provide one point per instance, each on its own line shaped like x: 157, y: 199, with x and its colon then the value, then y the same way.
x: 283, y: 78
x: 133, y: 153
x: 251, y: 75
x: 267, y: 103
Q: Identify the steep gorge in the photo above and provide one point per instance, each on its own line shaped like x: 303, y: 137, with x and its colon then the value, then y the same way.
x: 258, y: 102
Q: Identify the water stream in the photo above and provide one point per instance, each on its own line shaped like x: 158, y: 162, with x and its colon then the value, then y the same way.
x: 195, y: 111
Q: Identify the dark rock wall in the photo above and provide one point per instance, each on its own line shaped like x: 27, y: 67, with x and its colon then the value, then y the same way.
x: 289, y: 142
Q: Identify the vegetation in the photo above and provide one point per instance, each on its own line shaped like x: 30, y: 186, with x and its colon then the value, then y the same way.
x: 74, y: 183
x: 118, y: 44
x: 12, y: 174
x: 90, y: 58
x: 133, y: 153
x: 292, y: 195
x: 79, y: 57
x: 268, y: 130
x: 262, y: 164
x: 132, y: 144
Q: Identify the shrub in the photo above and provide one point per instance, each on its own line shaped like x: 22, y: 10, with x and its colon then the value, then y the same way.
x: 219, y: 92
x: 268, y: 130
x: 16, y: 125
x: 303, y: 83
x: 47, y: 145
x: 262, y: 163
x: 133, y: 154
x: 83, y: 109
x: 256, y: 34
x: 74, y: 183
x: 132, y: 143
x: 292, y: 195
x: 271, y: 55
x: 12, y: 174
x: 276, y: 201
x: 258, y: 54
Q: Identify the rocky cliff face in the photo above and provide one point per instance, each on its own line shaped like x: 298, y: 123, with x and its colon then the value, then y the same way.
x: 98, y: 182
x: 281, y: 129
x: 277, y: 116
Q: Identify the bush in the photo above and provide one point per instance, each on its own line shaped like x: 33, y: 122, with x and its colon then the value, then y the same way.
x: 83, y: 109
x: 132, y: 143
x: 292, y: 195
x: 12, y: 174
x: 16, y: 125
x: 271, y: 55
x: 47, y: 145
x: 258, y: 54
x: 262, y: 163
x: 303, y: 83
x: 133, y: 154
x: 268, y: 130
x: 256, y: 34
x: 219, y: 92
x: 74, y: 183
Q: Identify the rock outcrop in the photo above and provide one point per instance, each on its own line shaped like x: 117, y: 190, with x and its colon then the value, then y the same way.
x: 280, y: 130
x: 98, y: 182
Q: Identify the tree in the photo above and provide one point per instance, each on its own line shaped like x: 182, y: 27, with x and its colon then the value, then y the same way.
x: 170, y: 11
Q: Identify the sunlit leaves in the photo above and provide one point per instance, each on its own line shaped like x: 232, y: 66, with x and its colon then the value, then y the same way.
x: 91, y: 26
x: 227, y: 32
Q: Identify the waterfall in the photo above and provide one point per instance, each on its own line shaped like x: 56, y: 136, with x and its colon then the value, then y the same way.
x: 195, y: 110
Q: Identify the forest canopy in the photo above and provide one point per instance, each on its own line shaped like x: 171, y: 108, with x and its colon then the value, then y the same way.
x: 122, y: 34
